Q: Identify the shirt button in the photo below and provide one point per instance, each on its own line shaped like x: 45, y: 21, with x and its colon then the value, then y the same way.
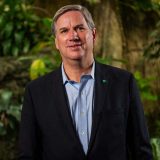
x: 83, y: 93
x: 82, y: 113
x: 83, y: 132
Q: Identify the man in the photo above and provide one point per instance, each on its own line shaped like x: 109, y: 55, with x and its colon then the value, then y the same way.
x: 83, y: 110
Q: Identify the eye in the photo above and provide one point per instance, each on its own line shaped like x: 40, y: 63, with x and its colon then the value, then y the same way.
x: 64, y: 31
x: 80, y: 28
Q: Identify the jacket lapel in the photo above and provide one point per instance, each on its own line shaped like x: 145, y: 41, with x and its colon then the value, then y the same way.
x: 62, y: 106
x: 100, y: 94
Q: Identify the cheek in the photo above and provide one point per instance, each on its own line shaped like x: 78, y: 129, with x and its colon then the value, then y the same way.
x: 56, y: 43
x: 89, y: 39
x: 60, y: 42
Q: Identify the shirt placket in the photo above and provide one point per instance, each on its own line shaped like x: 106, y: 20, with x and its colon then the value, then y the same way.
x: 82, y: 116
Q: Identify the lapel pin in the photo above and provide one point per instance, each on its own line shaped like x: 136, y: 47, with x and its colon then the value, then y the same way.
x: 104, y: 81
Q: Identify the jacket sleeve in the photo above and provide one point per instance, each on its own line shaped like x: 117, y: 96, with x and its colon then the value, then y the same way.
x: 137, y: 132
x: 29, y: 136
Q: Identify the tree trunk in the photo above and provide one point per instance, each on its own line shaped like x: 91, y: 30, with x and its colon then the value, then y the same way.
x: 110, y: 37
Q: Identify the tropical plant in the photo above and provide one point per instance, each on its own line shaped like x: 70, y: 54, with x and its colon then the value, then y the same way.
x: 9, y: 113
x: 20, y: 28
x: 155, y: 142
x: 44, y: 64
x: 109, y: 60
x: 152, y: 51
x: 144, y: 87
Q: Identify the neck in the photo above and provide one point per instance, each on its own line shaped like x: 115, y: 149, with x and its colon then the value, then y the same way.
x: 74, y: 71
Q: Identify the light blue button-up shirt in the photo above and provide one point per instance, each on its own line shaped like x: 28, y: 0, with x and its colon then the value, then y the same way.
x: 80, y: 96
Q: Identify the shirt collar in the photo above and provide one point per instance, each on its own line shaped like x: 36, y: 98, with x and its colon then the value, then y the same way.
x: 65, y: 78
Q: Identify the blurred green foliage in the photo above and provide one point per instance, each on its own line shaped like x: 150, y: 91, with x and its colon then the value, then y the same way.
x: 152, y: 51
x: 109, y: 59
x: 44, y: 64
x: 38, y: 68
x: 155, y: 142
x: 93, y: 1
x: 144, y: 85
x: 20, y: 28
x: 142, y: 5
x: 9, y: 113
x: 47, y: 59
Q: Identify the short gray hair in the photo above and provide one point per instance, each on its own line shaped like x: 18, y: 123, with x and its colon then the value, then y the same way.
x: 87, y: 15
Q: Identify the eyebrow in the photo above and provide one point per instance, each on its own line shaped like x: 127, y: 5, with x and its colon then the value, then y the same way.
x: 63, y: 28
x: 78, y: 25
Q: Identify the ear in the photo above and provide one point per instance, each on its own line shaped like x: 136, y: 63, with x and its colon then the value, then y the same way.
x: 56, y: 43
x: 94, y: 34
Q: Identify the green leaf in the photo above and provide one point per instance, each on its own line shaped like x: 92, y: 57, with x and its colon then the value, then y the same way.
x: 19, y: 37
x: 104, y: 60
x: 5, y: 99
x: 15, y: 111
x: 6, y: 47
x: 15, y: 51
x: 2, y: 129
x: 5, y: 96
x: 26, y: 46
x: 38, y: 68
x: 11, y: 124
x: 24, y: 58
x: 47, y: 22
x: 149, y: 96
x: 3, y: 105
x: 8, y: 29
x: 2, y: 20
x: 155, y: 142
x: 93, y: 1
x: 144, y: 86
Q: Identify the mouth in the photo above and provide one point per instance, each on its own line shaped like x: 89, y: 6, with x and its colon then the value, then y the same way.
x: 74, y: 45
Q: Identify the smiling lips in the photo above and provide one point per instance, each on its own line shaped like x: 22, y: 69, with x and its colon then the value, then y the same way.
x: 75, y: 45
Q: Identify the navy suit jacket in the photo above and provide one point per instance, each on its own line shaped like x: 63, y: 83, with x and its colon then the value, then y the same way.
x: 119, y: 130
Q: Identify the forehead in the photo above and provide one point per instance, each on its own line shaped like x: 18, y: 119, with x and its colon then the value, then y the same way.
x: 71, y: 17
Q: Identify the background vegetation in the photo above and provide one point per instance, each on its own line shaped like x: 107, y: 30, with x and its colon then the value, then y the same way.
x: 128, y: 37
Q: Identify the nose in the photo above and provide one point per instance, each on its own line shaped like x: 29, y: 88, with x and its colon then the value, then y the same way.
x: 73, y: 35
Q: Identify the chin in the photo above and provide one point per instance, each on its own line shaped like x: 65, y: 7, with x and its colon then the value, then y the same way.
x: 76, y: 58
x: 76, y: 55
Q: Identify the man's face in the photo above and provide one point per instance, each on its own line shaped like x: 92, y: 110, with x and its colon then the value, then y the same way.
x: 74, y: 39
